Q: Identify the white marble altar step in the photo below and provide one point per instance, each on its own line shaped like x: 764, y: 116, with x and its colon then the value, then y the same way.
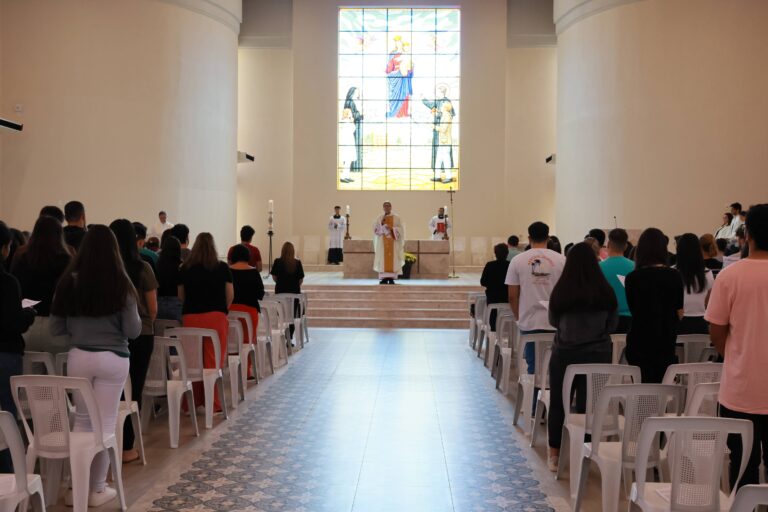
x: 341, y: 303
x: 390, y: 323
x: 365, y: 295
x: 381, y: 312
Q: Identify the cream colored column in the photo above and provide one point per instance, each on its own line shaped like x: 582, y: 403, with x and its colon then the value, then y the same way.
x: 130, y: 107
x: 662, y: 112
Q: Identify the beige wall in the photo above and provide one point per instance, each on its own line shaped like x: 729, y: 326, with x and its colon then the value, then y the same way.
x: 508, y: 128
x: 129, y: 107
x: 662, y: 115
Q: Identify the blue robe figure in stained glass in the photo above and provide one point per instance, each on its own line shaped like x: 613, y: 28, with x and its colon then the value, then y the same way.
x: 399, y: 81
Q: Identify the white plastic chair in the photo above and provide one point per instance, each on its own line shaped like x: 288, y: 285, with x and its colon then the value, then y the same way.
x: 690, y: 347
x: 53, y: 439
x: 508, y: 331
x: 247, y: 349
x: 235, y: 342
x: 703, y: 400
x: 39, y: 363
x: 503, y: 336
x: 472, y: 301
x: 576, y: 425
x: 480, y: 306
x: 749, y: 497
x: 492, y: 337
x: 289, y: 303
x: 301, y: 321
x: 284, y: 318
x: 617, y: 458
x: 192, y: 339
x: 690, y: 374
x: 264, y: 346
x: 527, y: 382
x: 539, y: 417
x: 694, y: 443
x: 61, y: 360
x: 17, y: 487
x: 278, y: 333
x: 709, y: 355
x: 619, y: 345
x: 129, y: 408
x: 158, y: 384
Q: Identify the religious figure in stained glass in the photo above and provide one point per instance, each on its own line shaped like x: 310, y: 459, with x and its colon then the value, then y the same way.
x: 399, y: 80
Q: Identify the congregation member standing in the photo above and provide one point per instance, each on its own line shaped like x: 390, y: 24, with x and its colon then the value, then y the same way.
x: 161, y: 226
x: 388, y: 245
x: 440, y: 226
x: 248, y: 288
x: 168, y: 279
x: 655, y: 299
x: 337, y: 226
x: 493, y: 277
x: 584, y: 311
x: 709, y: 252
x: 246, y: 240
x: 725, y: 231
x: 38, y: 269
x: 513, y: 244
x: 531, y: 277
x: 141, y: 243
x: 96, y: 305
x: 288, y: 274
x: 206, y: 293
x: 143, y: 279
x: 74, y: 231
x: 698, y: 281
x: 181, y: 232
x: 615, y: 268
x: 599, y: 237
x: 738, y: 325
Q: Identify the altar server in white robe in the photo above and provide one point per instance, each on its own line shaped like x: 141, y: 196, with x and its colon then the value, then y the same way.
x: 337, y: 226
x: 388, y: 245
x: 440, y: 226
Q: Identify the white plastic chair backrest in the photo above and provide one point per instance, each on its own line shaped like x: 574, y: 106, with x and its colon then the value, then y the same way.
x: 62, y: 359
x: 695, y: 451
x: 598, y: 376
x: 619, y: 343
x: 480, y: 305
x: 49, y: 408
x: 289, y: 302
x: 39, y: 363
x: 235, y: 337
x: 709, y: 354
x: 161, y: 325
x: 543, y: 353
x: 127, y: 391
x: 276, y: 313
x: 749, y: 497
x: 640, y: 402
x: 506, y: 328
x: 192, y: 339
x: 180, y: 370
x: 693, y: 345
x: 703, y: 400
x: 522, y: 339
x: 286, y: 307
x: 246, y: 320
x: 497, y: 306
x: 157, y: 371
x: 472, y: 298
x: 690, y: 374
x: 265, y: 320
x: 11, y: 438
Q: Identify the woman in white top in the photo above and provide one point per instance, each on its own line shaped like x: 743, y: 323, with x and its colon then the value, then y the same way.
x: 725, y: 231
x: 697, y: 282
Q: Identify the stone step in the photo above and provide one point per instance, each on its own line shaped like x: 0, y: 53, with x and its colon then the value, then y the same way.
x: 344, y: 303
x: 388, y: 323
x: 367, y: 312
x: 386, y: 296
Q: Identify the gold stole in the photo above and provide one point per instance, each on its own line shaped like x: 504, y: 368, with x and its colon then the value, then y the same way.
x: 389, y: 244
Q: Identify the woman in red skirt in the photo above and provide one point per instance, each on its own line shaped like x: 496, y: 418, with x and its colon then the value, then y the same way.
x: 206, y: 291
x: 249, y: 289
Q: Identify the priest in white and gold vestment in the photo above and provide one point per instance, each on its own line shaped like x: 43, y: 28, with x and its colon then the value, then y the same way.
x: 388, y: 245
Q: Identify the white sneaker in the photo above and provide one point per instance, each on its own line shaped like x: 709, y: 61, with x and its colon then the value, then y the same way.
x: 97, y: 499
x: 552, y: 462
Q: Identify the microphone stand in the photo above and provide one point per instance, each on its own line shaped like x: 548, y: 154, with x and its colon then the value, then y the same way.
x: 453, y: 274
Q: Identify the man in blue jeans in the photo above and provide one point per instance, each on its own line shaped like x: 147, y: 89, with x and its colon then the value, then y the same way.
x: 530, y: 279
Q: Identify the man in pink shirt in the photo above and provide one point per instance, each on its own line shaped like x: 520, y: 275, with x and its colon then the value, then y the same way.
x: 738, y: 318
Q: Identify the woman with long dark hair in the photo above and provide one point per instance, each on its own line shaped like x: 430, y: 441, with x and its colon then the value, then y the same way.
x: 357, y: 118
x: 725, y: 231
x: 584, y: 310
x: 168, y: 276
x: 96, y: 305
x: 288, y: 275
x: 249, y: 288
x: 205, y: 289
x: 698, y: 281
x: 143, y: 279
x: 38, y: 268
x: 655, y: 299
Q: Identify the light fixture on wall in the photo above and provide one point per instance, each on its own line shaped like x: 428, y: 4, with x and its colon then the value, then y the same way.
x: 244, y: 158
x: 11, y: 125
x: 551, y: 159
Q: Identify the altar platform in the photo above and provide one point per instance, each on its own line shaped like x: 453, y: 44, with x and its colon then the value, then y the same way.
x: 336, y: 301
x: 432, y: 258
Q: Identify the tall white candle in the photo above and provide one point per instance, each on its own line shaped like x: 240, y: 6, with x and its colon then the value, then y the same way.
x: 446, y: 210
x: 271, y: 207
x: 348, y: 210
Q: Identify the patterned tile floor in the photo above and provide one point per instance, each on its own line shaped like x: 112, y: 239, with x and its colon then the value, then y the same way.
x: 365, y: 420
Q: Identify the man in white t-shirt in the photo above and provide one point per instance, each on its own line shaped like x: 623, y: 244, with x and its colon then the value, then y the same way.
x: 530, y: 278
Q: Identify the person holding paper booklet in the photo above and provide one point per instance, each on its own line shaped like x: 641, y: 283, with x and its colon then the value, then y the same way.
x: 388, y: 245
x: 584, y: 310
x: 615, y: 269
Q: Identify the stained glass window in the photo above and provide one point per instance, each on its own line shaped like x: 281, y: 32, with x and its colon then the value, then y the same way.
x: 399, y: 108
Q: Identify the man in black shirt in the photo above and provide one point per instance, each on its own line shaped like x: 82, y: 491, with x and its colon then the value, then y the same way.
x: 74, y: 231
